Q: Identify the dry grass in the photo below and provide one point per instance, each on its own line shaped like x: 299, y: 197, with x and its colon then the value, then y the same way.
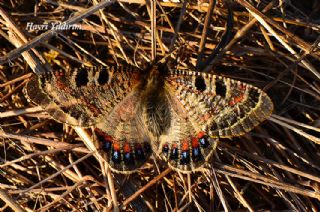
x: 45, y: 165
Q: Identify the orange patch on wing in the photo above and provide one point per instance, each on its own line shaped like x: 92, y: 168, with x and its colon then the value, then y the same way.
x: 108, y: 138
x: 136, y: 78
x: 201, y: 134
x: 236, y: 100
x: 242, y: 87
x: 116, y: 146
x: 185, y: 145
x: 58, y: 74
x: 126, y: 148
x: 205, y: 117
x: 195, y: 142
x: 105, y: 135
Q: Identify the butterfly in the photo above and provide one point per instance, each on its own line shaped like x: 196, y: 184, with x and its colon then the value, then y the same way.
x: 177, y: 114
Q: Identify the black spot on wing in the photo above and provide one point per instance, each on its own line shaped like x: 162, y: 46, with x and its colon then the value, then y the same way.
x: 165, y: 149
x: 116, y: 156
x: 174, y: 153
x: 81, y: 77
x: 103, y: 77
x: 128, y: 159
x: 74, y: 112
x: 254, y: 95
x: 200, y: 83
x: 242, y: 111
x: 139, y: 153
x: 185, y: 158
x: 196, y: 154
x: 43, y: 80
x: 221, y: 88
x: 106, y: 146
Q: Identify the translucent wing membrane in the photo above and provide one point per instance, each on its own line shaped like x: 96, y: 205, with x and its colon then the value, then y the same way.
x: 84, y: 96
x: 205, y: 107
x: 123, y: 156
x: 220, y: 106
x: 179, y: 115
x: 123, y: 138
x: 105, y: 98
x: 183, y: 146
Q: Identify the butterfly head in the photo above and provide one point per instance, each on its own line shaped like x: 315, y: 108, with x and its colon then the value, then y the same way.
x: 155, y: 77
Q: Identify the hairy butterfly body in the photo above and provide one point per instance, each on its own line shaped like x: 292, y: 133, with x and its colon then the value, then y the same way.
x: 178, y: 115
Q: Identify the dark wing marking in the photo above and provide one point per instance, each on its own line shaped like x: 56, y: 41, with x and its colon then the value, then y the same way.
x: 84, y: 96
x: 220, y: 106
x: 124, y: 140
x: 184, y: 147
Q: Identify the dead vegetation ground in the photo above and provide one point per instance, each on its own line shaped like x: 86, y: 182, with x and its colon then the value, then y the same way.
x: 273, y: 45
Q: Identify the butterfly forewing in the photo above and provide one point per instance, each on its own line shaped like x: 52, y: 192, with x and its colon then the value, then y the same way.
x: 220, y: 106
x: 205, y: 107
x: 179, y: 115
x: 105, y: 98
x: 81, y: 97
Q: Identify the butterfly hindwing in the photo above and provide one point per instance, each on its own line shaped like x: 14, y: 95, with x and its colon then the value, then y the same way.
x: 220, y: 106
x: 124, y: 140
x: 179, y: 115
x: 184, y: 147
x: 174, y: 137
x: 186, y: 113
x: 105, y: 98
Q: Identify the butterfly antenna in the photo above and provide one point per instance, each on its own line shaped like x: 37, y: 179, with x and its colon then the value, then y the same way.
x: 153, y: 17
x: 206, y: 65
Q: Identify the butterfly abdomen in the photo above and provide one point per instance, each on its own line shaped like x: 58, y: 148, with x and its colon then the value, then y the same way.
x: 180, y: 114
x: 155, y: 103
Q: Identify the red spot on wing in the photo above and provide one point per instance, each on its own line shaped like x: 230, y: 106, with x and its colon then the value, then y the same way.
x: 205, y: 117
x: 236, y: 100
x: 116, y: 146
x: 185, y: 145
x: 195, y: 142
x: 138, y: 146
x: 96, y: 112
x: 126, y: 148
x: 105, y: 135
x: 108, y: 138
x: 242, y: 87
x: 201, y: 134
x: 59, y: 82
